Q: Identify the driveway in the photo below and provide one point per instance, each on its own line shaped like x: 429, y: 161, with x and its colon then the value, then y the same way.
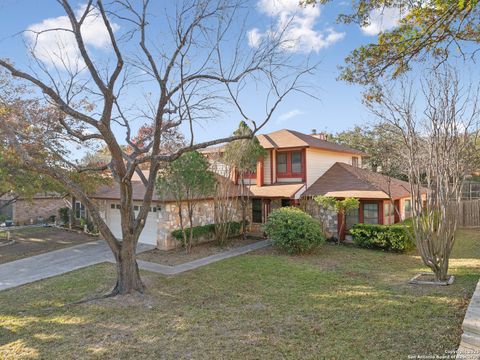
x: 57, y: 262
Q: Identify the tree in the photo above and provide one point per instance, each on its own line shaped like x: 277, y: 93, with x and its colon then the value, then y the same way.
x: 437, y: 31
x: 188, y: 179
x: 441, y: 151
x: 199, y: 66
x: 383, y: 145
x: 341, y: 207
x: 242, y: 157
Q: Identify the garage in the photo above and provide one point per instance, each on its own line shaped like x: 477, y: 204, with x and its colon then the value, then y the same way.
x: 149, y: 233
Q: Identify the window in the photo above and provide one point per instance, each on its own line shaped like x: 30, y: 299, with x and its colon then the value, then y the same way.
x: 135, y: 207
x: 296, y: 162
x: 79, y: 210
x: 388, y: 213
x: 355, y: 161
x: 370, y: 213
x: 257, y: 211
x: 282, y: 163
x: 286, y: 202
x: 112, y: 206
x: 407, y: 208
x: 290, y: 164
x: 351, y: 218
x: 118, y: 206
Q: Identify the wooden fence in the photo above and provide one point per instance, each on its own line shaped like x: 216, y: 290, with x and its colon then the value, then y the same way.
x: 469, y: 214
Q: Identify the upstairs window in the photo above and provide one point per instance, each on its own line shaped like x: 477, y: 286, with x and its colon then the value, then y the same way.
x: 290, y: 164
x: 296, y: 162
x: 282, y: 163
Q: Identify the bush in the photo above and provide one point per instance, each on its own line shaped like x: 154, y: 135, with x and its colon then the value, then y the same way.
x: 206, y: 230
x: 386, y: 237
x: 294, y: 231
x: 90, y: 225
x: 63, y: 213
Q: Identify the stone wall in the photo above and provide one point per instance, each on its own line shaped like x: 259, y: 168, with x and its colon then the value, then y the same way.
x: 170, y: 220
x: 330, y: 225
x: 27, y: 212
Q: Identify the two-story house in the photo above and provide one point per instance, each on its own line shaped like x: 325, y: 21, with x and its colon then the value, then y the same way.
x: 293, y: 163
x: 296, y: 168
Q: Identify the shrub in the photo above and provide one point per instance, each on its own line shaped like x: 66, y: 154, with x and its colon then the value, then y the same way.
x: 63, y: 213
x: 293, y: 230
x: 387, y: 237
x: 206, y: 230
x: 90, y: 225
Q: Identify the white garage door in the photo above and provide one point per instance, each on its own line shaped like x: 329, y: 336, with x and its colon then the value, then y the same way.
x: 149, y: 233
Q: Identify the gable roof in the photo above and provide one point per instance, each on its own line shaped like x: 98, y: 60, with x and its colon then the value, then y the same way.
x: 343, y: 180
x: 290, y: 138
x: 112, y: 192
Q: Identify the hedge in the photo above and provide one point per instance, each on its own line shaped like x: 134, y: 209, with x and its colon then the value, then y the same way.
x: 386, y: 237
x: 201, y: 231
x: 293, y: 230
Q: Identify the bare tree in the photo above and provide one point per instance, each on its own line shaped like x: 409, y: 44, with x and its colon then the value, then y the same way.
x: 192, y: 63
x: 439, y: 148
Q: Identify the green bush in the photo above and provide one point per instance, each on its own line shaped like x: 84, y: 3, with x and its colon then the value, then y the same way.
x: 90, y: 225
x: 293, y: 230
x: 387, y: 237
x: 205, y: 230
x: 63, y: 213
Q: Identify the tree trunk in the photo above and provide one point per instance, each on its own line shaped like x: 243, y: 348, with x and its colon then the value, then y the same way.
x: 128, y: 275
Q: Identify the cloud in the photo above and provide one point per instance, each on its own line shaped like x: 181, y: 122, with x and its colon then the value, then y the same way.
x: 297, y: 25
x: 289, y: 115
x: 382, y: 20
x: 58, y: 47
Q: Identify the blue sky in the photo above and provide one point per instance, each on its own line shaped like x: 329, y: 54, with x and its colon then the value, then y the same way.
x: 339, y: 106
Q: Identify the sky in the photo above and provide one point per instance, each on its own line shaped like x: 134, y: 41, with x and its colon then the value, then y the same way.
x: 314, y: 33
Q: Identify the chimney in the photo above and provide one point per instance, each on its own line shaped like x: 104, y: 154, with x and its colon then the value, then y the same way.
x: 321, y: 136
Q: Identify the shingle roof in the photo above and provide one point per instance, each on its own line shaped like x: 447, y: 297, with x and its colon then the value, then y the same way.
x: 290, y: 138
x: 275, y: 191
x: 293, y: 139
x: 112, y: 192
x: 343, y: 180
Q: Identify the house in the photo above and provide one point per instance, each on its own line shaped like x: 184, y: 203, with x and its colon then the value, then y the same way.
x: 383, y: 200
x: 39, y: 208
x: 296, y: 167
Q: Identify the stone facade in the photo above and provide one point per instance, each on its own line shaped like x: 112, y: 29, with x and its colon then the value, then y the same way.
x: 170, y: 220
x: 38, y: 209
x: 328, y: 217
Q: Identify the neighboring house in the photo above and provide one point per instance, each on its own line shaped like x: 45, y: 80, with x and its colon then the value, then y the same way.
x: 37, y: 209
x: 297, y: 167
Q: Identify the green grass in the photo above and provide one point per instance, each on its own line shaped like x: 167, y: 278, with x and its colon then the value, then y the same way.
x: 341, y: 303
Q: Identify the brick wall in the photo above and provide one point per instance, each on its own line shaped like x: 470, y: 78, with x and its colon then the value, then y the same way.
x: 26, y: 212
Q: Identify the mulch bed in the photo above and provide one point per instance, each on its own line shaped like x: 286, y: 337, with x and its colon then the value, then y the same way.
x: 179, y: 255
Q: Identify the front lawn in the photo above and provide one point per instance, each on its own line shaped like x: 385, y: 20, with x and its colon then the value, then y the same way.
x: 341, y: 303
